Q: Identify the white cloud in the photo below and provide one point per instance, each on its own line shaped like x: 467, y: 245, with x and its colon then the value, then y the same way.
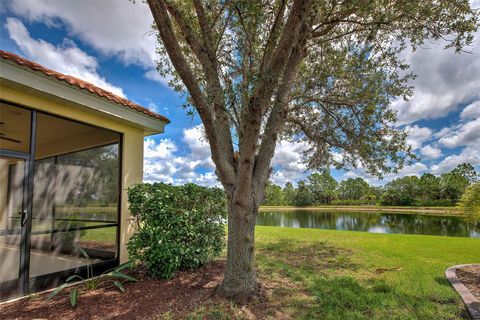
x: 416, y: 169
x: 431, y: 152
x: 164, y: 149
x: 113, y: 27
x: 464, y: 134
x: 155, y: 76
x: 417, y: 136
x: 287, y: 162
x: 469, y: 154
x: 471, y: 111
x: 162, y: 162
x: 195, y: 139
x: 445, y: 81
x: 66, y: 58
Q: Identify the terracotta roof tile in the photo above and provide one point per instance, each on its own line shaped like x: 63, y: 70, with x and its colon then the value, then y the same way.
x: 80, y: 84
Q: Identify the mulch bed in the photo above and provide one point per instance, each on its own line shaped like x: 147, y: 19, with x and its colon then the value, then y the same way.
x: 470, y: 277
x: 144, y: 299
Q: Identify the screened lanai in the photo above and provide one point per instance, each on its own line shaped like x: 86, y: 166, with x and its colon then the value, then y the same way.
x: 69, y: 150
x: 75, y: 194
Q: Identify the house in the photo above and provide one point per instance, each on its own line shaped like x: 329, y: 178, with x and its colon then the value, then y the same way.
x: 68, y: 152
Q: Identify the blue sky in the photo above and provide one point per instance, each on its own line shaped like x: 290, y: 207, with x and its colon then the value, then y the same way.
x: 110, y: 44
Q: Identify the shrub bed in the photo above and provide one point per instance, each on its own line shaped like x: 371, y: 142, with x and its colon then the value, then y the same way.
x: 177, y: 227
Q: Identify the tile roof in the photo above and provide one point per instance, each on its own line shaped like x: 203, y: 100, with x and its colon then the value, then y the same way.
x: 80, y: 84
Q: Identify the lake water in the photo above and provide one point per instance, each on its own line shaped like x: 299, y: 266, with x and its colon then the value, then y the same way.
x: 377, y: 222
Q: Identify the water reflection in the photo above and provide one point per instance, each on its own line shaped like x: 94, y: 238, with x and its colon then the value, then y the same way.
x: 377, y: 222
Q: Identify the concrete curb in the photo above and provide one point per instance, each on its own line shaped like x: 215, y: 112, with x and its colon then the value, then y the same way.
x: 471, y: 303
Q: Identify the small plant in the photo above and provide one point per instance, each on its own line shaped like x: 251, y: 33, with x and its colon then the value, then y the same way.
x: 114, y: 276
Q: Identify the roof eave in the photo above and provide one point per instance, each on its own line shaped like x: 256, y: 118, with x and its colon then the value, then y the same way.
x: 14, y: 75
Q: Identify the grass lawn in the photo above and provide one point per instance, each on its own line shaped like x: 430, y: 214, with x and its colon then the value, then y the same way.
x: 102, y: 235
x: 325, y: 274
x: 305, y: 274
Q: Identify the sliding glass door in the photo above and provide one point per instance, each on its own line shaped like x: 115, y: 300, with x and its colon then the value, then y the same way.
x: 15, y: 166
x: 59, y: 193
x: 13, y: 218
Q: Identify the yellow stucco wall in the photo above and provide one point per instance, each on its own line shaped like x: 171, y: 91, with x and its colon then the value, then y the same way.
x: 132, y: 153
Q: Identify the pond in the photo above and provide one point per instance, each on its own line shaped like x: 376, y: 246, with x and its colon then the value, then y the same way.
x: 371, y: 221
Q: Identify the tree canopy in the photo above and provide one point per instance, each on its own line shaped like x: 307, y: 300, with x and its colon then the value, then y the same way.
x: 318, y: 71
x: 446, y: 189
x: 470, y: 201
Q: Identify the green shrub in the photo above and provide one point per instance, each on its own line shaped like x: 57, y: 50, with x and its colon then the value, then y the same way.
x: 177, y: 227
x: 435, y: 203
x: 354, y: 202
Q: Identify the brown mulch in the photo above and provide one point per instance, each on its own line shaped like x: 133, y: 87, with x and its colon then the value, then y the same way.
x: 144, y: 299
x: 470, y: 277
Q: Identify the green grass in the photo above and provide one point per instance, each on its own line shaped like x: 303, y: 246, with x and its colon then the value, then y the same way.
x: 337, y: 270
x: 102, y: 235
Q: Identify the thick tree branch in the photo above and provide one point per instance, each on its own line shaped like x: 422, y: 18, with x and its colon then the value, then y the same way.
x: 218, y: 141
x: 260, y: 100
x: 277, y: 117
x: 274, y: 34
x: 205, y: 29
x: 208, y: 62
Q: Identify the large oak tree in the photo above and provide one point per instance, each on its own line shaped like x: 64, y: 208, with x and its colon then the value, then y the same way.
x: 318, y: 71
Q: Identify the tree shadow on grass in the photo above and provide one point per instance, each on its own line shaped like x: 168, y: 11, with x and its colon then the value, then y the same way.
x: 326, y: 284
x: 318, y: 257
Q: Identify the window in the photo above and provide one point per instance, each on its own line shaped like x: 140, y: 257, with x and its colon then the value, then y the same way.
x: 75, y: 195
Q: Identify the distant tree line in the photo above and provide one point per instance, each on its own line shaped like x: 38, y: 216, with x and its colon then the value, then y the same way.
x: 321, y: 188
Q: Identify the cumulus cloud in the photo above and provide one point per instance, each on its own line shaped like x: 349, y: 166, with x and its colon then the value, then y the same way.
x: 417, y: 136
x: 431, y: 152
x: 445, y: 81
x: 119, y: 28
x: 163, y: 162
x: 464, y: 134
x: 471, y: 111
x: 66, y: 58
x: 415, y: 169
x: 287, y: 162
x: 195, y: 139
x: 155, y: 76
x: 468, y: 155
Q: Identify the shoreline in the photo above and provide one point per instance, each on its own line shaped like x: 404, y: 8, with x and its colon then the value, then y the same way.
x: 451, y: 211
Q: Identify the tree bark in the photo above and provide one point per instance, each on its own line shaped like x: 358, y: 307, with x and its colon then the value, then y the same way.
x: 240, y: 280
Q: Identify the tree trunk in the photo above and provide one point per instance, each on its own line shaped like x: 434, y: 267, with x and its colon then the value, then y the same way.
x: 240, y: 280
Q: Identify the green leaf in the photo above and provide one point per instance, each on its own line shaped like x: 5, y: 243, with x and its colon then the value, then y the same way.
x: 83, y: 252
x: 124, y: 266
x: 119, y: 285
x: 74, y: 277
x: 57, y: 291
x: 73, y: 297
x: 116, y: 274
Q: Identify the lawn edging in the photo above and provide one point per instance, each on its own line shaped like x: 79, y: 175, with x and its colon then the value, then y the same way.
x: 471, y: 303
